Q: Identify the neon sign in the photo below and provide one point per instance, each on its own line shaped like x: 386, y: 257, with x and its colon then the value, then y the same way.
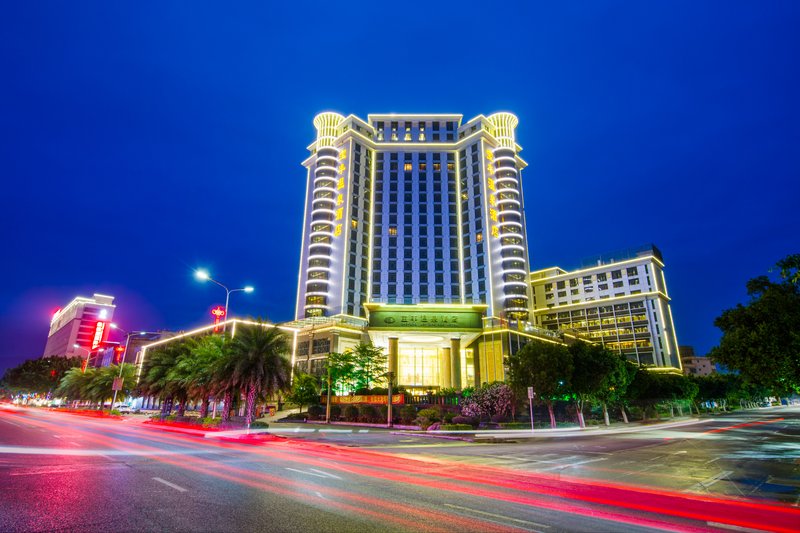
x: 218, y: 312
x: 99, y: 329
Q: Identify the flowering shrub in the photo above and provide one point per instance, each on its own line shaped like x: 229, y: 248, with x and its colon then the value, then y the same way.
x: 490, y: 400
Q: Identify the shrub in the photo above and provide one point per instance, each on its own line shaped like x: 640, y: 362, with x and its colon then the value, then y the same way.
x: 316, y: 411
x: 448, y: 417
x: 515, y: 425
x: 499, y: 418
x: 171, y: 418
x: 114, y: 412
x: 468, y: 420
x: 367, y: 413
x: 209, y: 422
x: 351, y: 413
x: 426, y: 417
x: 258, y: 424
x: 456, y: 427
x: 336, y: 411
x: 408, y: 413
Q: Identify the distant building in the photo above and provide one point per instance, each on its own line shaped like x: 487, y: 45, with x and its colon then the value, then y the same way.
x: 83, y: 321
x: 695, y: 365
x: 619, y: 300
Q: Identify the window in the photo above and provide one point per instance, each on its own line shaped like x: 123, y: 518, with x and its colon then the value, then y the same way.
x: 602, y: 277
x: 408, y: 167
x: 632, y: 271
x: 616, y: 274
x: 561, y: 284
x: 603, y: 287
x: 633, y: 281
x: 393, y: 231
x: 587, y: 280
x: 617, y: 284
x: 573, y: 282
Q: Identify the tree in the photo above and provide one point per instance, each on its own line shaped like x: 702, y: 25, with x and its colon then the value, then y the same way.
x: 761, y: 340
x: 593, y: 365
x: 75, y: 384
x: 39, y: 376
x: 545, y: 366
x: 615, y: 386
x: 101, y: 383
x: 260, y: 363
x: 159, y: 377
x: 369, y: 365
x: 305, y: 390
x: 196, y: 368
x: 649, y: 388
x: 341, y: 367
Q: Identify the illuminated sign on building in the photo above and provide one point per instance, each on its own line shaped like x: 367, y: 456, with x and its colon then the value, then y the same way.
x: 99, y: 330
x: 427, y: 319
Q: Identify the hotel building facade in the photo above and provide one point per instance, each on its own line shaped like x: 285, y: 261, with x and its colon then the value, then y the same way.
x: 84, y: 322
x: 414, y: 239
x: 619, y: 300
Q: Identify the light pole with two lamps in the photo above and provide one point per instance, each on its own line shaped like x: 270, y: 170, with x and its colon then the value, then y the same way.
x: 88, y: 355
x: 203, y: 275
x: 125, y: 352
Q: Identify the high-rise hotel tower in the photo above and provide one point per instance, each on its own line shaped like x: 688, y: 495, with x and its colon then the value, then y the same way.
x: 405, y: 209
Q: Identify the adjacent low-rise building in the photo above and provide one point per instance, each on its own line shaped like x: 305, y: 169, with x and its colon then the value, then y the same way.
x: 619, y: 300
x: 695, y: 365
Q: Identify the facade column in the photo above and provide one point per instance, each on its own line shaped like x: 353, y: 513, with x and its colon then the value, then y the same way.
x: 476, y: 365
x: 444, y: 369
x: 393, y: 348
x: 455, y: 363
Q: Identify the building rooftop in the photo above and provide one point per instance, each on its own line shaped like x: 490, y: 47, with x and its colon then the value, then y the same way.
x: 621, y: 255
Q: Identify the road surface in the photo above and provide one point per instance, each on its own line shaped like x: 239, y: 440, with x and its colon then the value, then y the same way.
x: 64, y: 472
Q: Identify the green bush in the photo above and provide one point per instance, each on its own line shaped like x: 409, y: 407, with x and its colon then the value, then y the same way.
x: 336, y: 411
x: 114, y: 412
x: 408, y: 413
x: 258, y: 424
x: 515, y: 425
x: 351, y: 413
x: 448, y: 417
x: 426, y: 417
x: 171, y: 418
x: 367, y: 413
x: 456, y: 427
x: 316, y: 411
x: 209, y: 422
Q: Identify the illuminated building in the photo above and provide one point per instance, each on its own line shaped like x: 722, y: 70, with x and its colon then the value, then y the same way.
x: 83, y: 321
x: 695, y: 365
x: 619, y: 300
x: 414, y: 239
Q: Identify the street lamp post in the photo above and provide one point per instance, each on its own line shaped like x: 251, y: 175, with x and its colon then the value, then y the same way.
x: 125, y: 352
x: 88, y: 354
x: 203, y: 275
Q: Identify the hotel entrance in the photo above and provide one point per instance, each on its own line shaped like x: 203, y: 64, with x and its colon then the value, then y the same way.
x: 427, y: 343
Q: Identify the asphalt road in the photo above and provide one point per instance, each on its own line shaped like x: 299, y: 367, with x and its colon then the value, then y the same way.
x: 63, y: 472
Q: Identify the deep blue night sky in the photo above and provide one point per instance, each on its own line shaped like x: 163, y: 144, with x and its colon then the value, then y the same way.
x: 141, y: 140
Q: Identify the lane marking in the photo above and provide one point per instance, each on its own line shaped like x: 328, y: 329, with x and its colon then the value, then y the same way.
x: 307, y: 473
x: 13, y: 423
x: 518, y: 520
x: 325, y: 473
x: 171, y: 485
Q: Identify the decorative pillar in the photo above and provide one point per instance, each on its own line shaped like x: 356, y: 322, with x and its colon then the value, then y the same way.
x: 393, y: 347
x: 444, y: 369
x: 476, y: 364
x: 455, y: 363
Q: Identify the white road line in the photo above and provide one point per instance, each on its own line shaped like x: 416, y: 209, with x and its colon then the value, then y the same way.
x: 172, y: 485
x: 519, y: 521
x: 13, y: 423
x: 325, y: 473
x: 307, y: 473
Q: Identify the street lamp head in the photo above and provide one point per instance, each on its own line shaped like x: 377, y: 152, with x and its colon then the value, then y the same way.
x: 249, y: 289
x: 114, y: 326
x: 75, y: 346
x: 201, y: 274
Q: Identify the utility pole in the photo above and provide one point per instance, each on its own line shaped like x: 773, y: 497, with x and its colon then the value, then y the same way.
x: 389, y: 422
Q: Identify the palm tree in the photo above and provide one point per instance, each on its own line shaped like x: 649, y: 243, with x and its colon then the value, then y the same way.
x: 196, y: 368
x: 260, y: 365
x: 74, y: 385
x: 159, y: 379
